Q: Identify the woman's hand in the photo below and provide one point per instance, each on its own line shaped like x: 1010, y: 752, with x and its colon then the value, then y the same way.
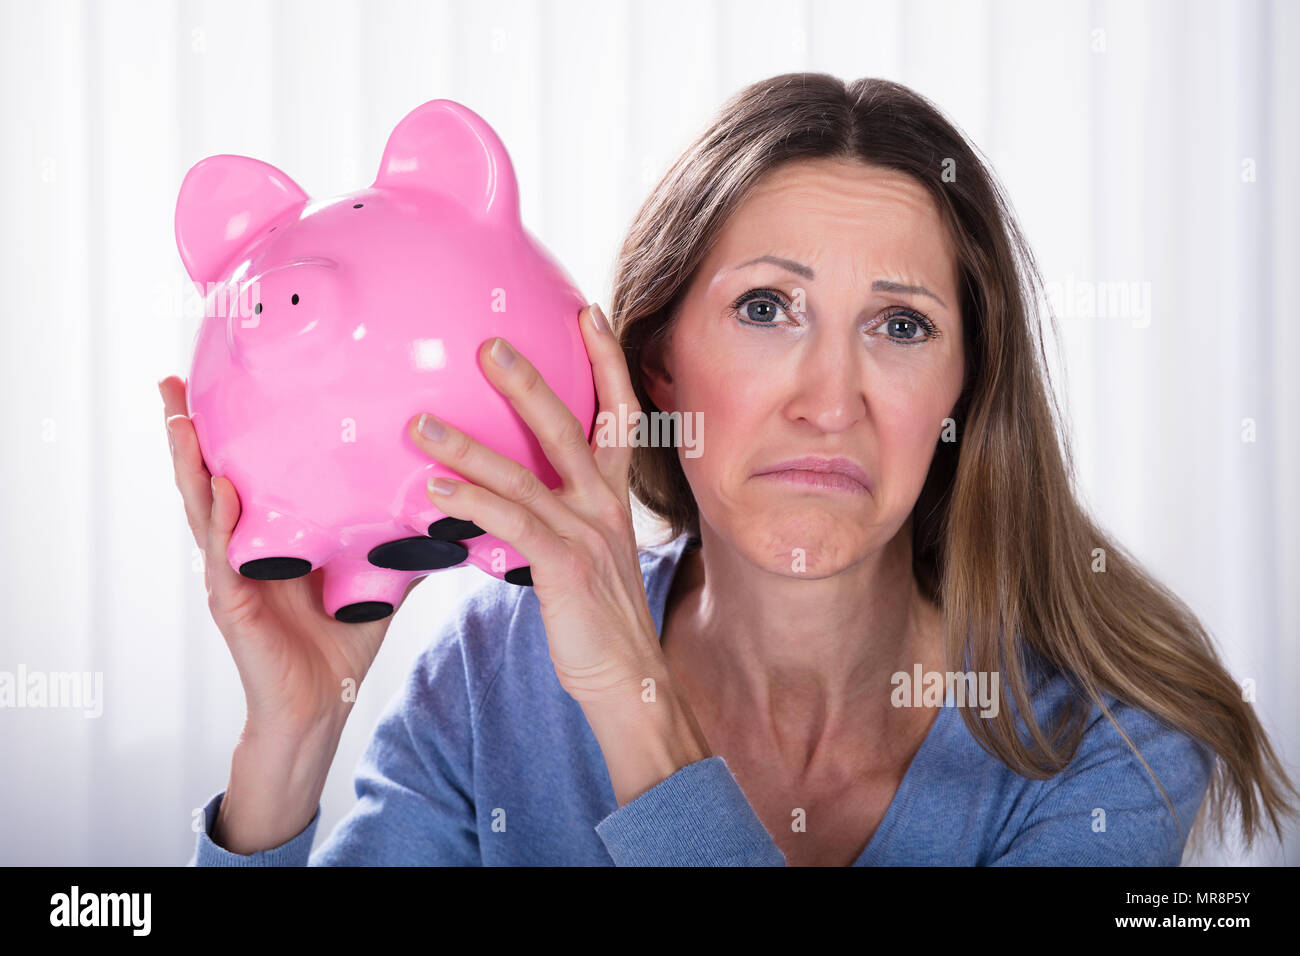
x: 292, y: 655
x: 293, y: 659
x: 579, y: 540
x: 581, y: 548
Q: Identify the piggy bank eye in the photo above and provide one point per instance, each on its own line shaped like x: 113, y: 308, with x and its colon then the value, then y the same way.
x: 257, y: 309
x: 358, y: 205
x: 294, y: 300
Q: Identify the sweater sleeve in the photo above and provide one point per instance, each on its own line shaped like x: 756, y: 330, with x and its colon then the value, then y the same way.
x: 413, y: 784
x: 1105, y: 810
x: 698, y: 816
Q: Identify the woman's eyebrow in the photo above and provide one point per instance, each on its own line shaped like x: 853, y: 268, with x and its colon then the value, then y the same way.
x: 884, y: 285
x: 880, y: 285
x: 798, y: 268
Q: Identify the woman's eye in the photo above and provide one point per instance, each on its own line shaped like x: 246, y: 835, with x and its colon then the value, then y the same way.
x: 767, y: 307
x: 759, y: 307
x: 907, y: 328
x: 902, y: 329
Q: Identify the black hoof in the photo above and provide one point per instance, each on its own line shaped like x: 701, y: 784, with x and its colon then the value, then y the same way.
x: 521, y: 576
x: 274, y: 569
x: 454, y: 529
x: 363, y: 611
x: 417, y: 554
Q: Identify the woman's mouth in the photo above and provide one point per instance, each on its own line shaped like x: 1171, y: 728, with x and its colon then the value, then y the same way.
x: 826, y: 474
x: 826, y: 481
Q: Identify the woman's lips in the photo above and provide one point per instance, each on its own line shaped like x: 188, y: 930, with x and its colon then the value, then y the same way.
x: 830, y: 474
x: 826, y: 481
x: 820, y: 474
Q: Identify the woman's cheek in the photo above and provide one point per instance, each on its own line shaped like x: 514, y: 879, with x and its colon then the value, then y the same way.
x: 909, y: 427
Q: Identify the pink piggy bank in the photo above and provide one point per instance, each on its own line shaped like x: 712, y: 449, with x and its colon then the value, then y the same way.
x: 328, y: 324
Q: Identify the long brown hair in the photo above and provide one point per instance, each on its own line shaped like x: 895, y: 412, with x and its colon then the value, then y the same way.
x: 1000, y: 540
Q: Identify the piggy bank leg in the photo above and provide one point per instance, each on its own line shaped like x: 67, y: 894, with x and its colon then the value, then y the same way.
x: 355, y: 591
x: 453, y: 529
x: 501, y: 561
x: 424, y: 519
x: 490, y: 554
x: 425, y: 552
x: 268, y: 545
x: 436, y: 542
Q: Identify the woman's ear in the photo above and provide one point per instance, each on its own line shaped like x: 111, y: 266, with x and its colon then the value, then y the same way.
x: 655, y: 376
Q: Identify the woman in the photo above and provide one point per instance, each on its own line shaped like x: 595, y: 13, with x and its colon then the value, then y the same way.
x: 881, y: 517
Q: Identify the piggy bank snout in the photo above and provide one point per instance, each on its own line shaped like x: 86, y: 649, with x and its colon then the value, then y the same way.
x: 289, y: 315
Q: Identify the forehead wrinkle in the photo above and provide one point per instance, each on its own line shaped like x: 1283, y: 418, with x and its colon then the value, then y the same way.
x: 882, y: 233
x: 878, y: 189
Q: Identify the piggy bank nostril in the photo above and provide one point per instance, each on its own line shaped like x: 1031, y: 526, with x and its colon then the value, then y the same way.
x: 257, y: 309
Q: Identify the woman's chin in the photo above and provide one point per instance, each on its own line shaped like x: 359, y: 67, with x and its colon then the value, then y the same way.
x: 806, y: 541
x: 823, y: 515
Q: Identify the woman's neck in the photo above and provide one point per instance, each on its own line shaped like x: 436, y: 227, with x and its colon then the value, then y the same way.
x: 798, y: 667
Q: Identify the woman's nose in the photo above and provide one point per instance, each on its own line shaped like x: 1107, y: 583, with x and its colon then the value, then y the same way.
x: 831, y: 391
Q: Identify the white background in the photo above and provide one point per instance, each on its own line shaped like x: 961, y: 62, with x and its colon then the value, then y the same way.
x: 1120, y: 130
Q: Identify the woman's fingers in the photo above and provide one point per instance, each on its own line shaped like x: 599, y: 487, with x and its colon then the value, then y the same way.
x: 222, y: 578
x: 505, y: 500
x: 211, y: 515
x: 511, y: 522
x: 172, y: 389
x: 562, y: 437
x: 192, y: 477
x: 212, y: 508
x: 614, y: 389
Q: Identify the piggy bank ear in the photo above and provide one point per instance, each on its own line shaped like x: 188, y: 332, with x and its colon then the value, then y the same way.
x: 443, y: 147
x: 224, y: 202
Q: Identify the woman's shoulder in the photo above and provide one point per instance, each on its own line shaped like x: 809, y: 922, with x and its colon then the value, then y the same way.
x: 1105, y: 764
x: 1054, y: 690
x: 1106, y: 806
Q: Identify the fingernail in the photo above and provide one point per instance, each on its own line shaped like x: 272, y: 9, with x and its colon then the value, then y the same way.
x: 160, y: 391
x: 503, y: 354
x: 431, y: 428
x: 598, y: 318
x: 171, y: 441
x: 441, y: 486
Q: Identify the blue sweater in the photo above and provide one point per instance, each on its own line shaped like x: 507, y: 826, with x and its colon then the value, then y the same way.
x: 483, y: 758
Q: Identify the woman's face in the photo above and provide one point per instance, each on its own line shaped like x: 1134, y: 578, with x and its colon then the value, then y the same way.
x: 846, y: 343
